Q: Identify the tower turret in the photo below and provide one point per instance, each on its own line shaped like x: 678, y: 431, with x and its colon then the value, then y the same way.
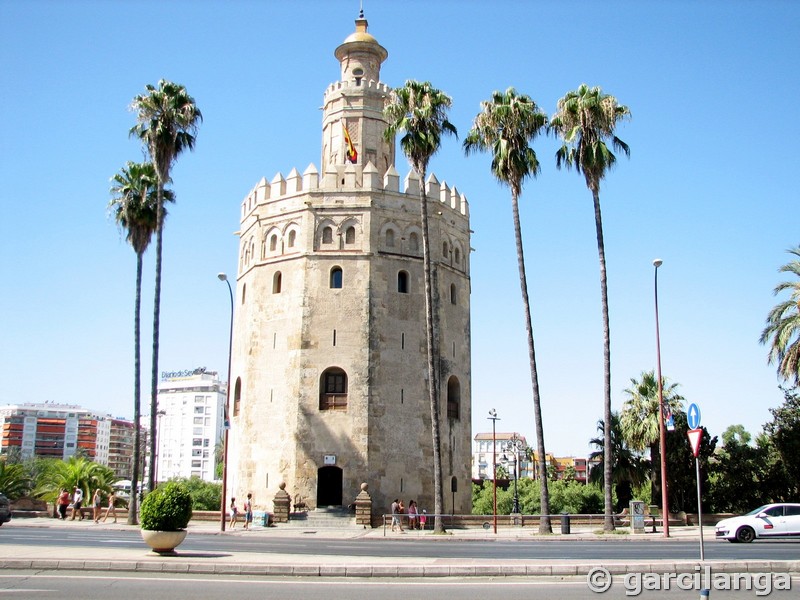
x: 355, y: 104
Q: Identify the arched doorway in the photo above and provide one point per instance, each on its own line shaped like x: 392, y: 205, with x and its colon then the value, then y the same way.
x: 329, y: 486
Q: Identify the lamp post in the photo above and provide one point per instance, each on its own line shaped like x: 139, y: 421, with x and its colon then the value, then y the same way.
x: 493, y: 418
x: 662, y: 432
x: 515, y: 445
x: 225, y: 422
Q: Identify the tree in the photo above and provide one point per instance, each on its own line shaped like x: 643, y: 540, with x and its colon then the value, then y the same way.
x: 134, y: 202
x: 14, y: 479
x: 639, y: 418
x: 629, y: 469
x: 585, y: 119
x: 420, y: 110
x: 736, y: 474
x: 506, y: 126
x: 167, y: 119
x: 783, y: 325
x: 56, y: 475
x: 784, y: 434
x: 682, y: 477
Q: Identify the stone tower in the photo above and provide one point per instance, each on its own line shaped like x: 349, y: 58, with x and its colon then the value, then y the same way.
x: 329, y: 354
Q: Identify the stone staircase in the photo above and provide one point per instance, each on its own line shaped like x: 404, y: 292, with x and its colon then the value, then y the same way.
x: 325, y: 517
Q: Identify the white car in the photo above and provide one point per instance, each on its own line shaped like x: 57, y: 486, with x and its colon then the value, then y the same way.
x: 768, y: 521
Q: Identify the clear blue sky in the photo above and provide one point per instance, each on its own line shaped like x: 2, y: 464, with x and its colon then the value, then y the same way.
x: 710, y: 187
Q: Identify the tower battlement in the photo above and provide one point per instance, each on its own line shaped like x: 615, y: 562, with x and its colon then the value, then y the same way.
x: 351, y: 178
x: 339, y: 86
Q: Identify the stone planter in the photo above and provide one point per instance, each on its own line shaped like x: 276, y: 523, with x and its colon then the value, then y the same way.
x: 163, y: 542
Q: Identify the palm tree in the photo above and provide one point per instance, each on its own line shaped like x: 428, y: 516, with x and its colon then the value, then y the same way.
x: 74, y: 472
x: 134, y: 198
x: 628, y: 470
x: 167, y: 121
x: 639, y: 419
x: 506, y: 126
x: 783, y: 325
x: 14, y: 479
x: 584, y: 120
x: 420, y: 110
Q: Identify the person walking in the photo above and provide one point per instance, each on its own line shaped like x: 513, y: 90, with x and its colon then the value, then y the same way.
x: 248, y: 511
x: 63, y: 503
x: 112, y: 498
x: 234, y: 513
x: 412, y: 515
x: 396, y: 522
x: 97, y: 505
x: 77, y: 503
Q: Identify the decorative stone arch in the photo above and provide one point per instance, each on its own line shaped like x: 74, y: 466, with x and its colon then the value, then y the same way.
x: 413, y: 240
x: 273, y: 241
x: 350, y: 233
x: 459, y: 261
x: 325, y: 235
x: 390, y: 237
x: 291, y: 235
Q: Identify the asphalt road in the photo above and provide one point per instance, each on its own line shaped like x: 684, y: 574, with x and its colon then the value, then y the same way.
x: 261, y: 542
x: 102, y: 586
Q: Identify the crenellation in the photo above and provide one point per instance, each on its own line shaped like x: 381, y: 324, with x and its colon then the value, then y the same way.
x: 278, y: 185
x: 311, y: 178
x: 432, y: 188
x: 411, y: 183
x: 391, y: 180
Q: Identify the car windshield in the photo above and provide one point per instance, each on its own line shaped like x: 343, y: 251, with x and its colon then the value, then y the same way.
x: 756, y: 511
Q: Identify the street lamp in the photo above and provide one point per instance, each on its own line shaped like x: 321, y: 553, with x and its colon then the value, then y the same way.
x: 515, y: 445
x: 494, y: 418
x: 662, y: 432
x: 225, y: 422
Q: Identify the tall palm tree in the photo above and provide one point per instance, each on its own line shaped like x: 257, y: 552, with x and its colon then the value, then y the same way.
x: 639, y: 419
x: 134, y: 199
x: 628, y: 470
x: 506, y: 126
x: 584, y: 120
x: 420, y: 110
x: 783, y: 325
x: 167, y: 119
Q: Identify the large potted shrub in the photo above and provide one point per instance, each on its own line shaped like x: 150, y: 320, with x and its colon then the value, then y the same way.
x: 164, y: 515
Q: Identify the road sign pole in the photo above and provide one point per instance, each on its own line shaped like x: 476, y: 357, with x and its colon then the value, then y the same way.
x: 699, y: 508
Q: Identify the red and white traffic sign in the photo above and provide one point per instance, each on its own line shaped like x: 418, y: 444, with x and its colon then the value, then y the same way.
x: 695, y: 435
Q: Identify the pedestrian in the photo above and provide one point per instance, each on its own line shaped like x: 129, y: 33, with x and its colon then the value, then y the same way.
x: 401, y: 509
x: 97, y: 505
x: 423, y: 519
x: 77, y: 502
x: 63, y: 503
x: 112, y: 498
x: 412, y: 515
x: 234, y: 513
x: 248, y: 511
x: 396, y: 515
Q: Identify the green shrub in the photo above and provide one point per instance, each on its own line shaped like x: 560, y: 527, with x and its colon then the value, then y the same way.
x: 167, y: 508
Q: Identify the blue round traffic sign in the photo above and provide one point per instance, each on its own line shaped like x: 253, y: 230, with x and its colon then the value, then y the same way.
x: 693, y: 416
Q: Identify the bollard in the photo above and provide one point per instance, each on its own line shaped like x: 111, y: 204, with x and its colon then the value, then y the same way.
x: 265, y: 519
x: 565, y: 523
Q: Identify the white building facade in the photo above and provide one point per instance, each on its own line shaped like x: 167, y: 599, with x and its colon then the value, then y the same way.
x: 190, y: 423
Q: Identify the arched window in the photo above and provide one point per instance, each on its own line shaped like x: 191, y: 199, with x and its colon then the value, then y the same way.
x: 350, y: 235
x: 292, y: 236
x: 333, y: 389
x: 390, y: 238
x: 413, y: 242
x: 336, y: 278
x: 453, y: 295
x: 457, y: 255
x: 402, y: 282
x: 237, y: 396
x: 445, y: 252
x: 453, y: 398
x: 244, y: 291
x: 327, y: 235
x: 276, y: 282
x: 273, y: 242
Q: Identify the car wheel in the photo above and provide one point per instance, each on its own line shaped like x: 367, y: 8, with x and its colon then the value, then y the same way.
x: 732, y: 540
x: 745, y: 535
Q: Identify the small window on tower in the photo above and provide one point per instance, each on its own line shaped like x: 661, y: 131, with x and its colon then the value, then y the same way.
x: 292, y: 236
x: 327, y: 235
x: 350, y: 235
x: 358, y: 74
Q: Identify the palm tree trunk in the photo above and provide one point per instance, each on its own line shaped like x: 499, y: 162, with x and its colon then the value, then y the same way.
x: 137, y: 392
x: 608, y: 459
x: 151, y: 478
x: 432, y: 335
x: 544, y: 522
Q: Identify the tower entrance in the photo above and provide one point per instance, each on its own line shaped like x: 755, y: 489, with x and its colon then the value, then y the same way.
x: 329, y: 486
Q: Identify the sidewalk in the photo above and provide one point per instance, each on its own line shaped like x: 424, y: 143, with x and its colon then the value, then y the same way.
x: 110, y: 558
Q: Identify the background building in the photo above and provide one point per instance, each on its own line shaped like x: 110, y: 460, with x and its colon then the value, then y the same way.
x: 482, y: 455
x: 191, y: 405
x: 329, y: 351
x: 55, y: 431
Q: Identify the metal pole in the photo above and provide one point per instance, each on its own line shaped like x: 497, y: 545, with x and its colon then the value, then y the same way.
x: 225, y: 422
x: 699, y: 508
x: 493, y: 417
x: 662, y: 431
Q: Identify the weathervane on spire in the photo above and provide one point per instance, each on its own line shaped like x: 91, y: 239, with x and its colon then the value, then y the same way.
x: 360, y: 9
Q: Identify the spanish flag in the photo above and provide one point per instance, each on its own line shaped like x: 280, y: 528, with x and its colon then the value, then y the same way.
x: 350, y: 152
